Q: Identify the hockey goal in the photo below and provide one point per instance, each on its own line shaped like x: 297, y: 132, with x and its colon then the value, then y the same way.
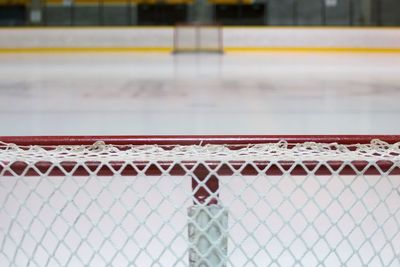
x: 198, y: 38
x: 200, y: 201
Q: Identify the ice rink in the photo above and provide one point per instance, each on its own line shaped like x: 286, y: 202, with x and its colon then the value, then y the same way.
x: 145, y: 94
x: 137, y: 215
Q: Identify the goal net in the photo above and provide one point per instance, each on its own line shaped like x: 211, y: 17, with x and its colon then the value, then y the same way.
x: 200, y: 201
x: 195, y: 38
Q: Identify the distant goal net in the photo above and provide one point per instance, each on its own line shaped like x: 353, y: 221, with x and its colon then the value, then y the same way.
x: 198, y: 38
x: 200, y: 201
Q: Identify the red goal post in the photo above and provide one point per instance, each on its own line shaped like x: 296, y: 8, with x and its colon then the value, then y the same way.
x: 230, y: 142
x: 200, y: 200
x: 198, y: 38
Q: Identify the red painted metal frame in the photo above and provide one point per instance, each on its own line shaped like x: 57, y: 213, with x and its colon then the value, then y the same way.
x: 197, y: 28
x: 230, y: 140
x: 202, y: 192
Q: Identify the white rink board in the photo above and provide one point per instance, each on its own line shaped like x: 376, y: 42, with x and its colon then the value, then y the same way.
x: 233, y: 37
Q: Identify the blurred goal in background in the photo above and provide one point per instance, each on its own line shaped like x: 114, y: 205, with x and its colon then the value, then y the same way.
x: 200, y: 201
x: 198, y: 38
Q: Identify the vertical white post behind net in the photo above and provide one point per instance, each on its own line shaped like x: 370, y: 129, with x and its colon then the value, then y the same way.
x: 151, y: 203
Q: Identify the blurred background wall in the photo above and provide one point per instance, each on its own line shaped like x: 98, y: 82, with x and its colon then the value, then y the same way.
x: 227, y: 12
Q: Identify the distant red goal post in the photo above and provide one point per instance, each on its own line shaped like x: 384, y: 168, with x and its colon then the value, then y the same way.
x: 198, y: 38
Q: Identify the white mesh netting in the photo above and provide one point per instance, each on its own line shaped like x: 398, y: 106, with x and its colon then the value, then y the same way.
x: 280, y: 204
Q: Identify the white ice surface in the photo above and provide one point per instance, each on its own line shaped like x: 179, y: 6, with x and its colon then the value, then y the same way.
x: 277, y: 93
